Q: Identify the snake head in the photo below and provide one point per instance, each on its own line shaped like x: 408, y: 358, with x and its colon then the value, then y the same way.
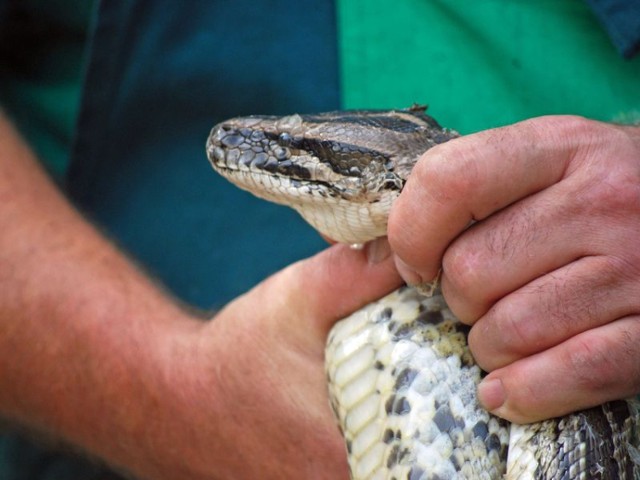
x: 340, y: 170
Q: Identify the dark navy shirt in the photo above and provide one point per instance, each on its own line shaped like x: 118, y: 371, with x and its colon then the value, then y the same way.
x: 159, y: 78
x: 621, y: 18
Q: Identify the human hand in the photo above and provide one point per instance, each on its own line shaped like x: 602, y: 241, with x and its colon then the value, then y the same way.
x: 549, y: 273
x: 251, y: 383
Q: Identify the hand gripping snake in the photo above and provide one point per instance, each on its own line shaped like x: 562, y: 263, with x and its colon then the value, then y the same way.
x: 402, y: 381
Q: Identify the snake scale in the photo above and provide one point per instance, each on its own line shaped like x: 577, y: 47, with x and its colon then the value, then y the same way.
x: 401, y: 378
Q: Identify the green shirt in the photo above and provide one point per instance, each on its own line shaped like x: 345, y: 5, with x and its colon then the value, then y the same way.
x: 484, y: 64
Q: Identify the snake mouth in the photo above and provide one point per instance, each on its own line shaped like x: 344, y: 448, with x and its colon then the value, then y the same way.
x: 255, y: 161
x: 285, y: 187
x: 261, y: 161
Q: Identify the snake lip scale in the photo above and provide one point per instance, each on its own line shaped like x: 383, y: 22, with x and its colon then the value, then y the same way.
x: 401, y: 379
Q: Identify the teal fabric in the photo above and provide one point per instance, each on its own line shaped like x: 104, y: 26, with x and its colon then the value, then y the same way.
x: 161, y: 74
x: 42, y: 44
x: 23, y: 460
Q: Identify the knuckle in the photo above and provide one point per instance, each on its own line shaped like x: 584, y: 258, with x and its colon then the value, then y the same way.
x: 614, y: 271
x: 620, y: 191
x: 461, y: 266
x: 446, y: 170
x: 402, y: 241
x: 573, y: 130
x: 591, y: 363
x: 572, y: 126
x: 503, y: 335
x: 613, y: 192
x: 566, y: 130
x: 519, y: 333
x: 606, y: 167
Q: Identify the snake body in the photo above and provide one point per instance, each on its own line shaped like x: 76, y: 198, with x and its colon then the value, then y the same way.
x: 401, y: 378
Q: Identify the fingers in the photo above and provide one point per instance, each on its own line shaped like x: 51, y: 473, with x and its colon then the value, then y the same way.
x: 320, y: 290
x: 535, y: 227
x: 588, y: 369
x: 590, y: 211
x: 470, y: 178
x: 508, y: 249
x: 586, y: 294
x: 538, y: 234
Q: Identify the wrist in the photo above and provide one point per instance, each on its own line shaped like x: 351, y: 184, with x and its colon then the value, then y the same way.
x: 169, y: 414
x: 148, y: 399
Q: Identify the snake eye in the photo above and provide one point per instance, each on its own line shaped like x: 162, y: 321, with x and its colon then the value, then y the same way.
x: 281, y: 153
x: 285, y: 139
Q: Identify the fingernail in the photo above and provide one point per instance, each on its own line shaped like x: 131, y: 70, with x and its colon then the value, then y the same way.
x: 408, y: 275
x: 491, y: 394
x: 378, y: 250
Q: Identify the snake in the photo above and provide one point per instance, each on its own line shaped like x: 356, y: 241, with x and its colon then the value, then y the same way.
x: 401, y: 379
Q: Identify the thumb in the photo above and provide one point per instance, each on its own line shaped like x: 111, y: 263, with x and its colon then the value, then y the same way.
x: 329, y: 286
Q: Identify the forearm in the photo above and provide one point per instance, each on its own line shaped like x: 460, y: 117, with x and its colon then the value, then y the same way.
x: 82, y: 332
x: 93, y: 352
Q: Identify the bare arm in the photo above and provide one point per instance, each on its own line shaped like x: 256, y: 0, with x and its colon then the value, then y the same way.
x: 93, y: 352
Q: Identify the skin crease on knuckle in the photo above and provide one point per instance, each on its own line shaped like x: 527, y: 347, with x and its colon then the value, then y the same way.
x: 611, y: 204
x: 596, y: 362
x: 583, y: 295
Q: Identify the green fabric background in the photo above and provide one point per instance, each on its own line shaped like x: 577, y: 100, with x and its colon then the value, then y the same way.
x: 484, y: 64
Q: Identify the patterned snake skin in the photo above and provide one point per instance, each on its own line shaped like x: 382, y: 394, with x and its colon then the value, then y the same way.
x: 401, y: 379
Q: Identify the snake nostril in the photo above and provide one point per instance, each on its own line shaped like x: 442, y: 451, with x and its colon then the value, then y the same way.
x: 217, y: 134
x: 216, y: 153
